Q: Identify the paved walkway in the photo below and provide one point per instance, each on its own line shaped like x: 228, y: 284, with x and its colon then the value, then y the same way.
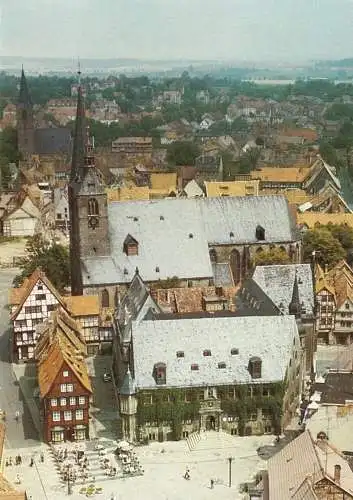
x: 164, y: 465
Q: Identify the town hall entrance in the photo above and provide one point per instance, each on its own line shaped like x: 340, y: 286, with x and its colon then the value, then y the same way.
x: 210, y: 423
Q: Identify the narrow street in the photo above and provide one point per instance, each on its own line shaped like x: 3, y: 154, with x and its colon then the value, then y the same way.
x: 23, y: 433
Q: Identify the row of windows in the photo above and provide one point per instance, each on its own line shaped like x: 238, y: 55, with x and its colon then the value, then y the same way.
x: 81, y: 400
x: 38, y: 309
x: 223, y: 393
x: 67, y: 388
x: 68, y: 415
x: 207, y: 352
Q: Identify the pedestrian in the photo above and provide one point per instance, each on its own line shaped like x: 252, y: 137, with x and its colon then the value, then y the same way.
x: 20, y: 459
x: 18, y: 480
x: 42, y: 457
x: 7, y: 463
x: 32, y: 462
x: 10, y: 461
x: 212, y: 484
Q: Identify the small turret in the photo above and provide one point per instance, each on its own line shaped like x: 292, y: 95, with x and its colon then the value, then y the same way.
x: 294, y: 306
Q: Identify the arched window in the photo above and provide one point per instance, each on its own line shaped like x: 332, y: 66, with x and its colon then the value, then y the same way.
x: 93, y: 208
x: 105, y: 298
x: 213, y: 256
x: 235, y: 265
x: 117, y: 298
x: 245, y: 261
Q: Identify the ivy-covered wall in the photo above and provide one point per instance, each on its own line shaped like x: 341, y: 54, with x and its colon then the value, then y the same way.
x: 245, y: 405
x: 169, y: 406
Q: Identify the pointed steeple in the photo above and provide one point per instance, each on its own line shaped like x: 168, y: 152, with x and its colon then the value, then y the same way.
x: 128, y: 387
x: 79, y: 146
x: 294, y: 306
x: 24, y: 98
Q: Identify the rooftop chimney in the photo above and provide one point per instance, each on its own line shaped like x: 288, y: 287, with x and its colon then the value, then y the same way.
x: 337, y: 474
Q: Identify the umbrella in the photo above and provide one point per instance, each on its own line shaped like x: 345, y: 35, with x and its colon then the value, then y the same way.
x: 124, y: 445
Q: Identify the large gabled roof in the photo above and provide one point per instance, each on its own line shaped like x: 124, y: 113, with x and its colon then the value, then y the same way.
x: 174, y: 235
x: 60, y: 345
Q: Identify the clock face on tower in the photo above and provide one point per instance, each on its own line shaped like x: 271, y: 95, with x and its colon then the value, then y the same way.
x: 93, y: 221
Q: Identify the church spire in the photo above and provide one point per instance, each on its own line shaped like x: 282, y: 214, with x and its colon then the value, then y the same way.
x: 294, y: 306
x: 24, y: 97
x: 79, y: 146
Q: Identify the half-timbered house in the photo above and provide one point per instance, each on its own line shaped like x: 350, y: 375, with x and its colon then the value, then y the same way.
x: 64, y: 384
x: 32, y: 303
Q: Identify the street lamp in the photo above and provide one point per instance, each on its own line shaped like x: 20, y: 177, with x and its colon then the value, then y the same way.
x: 230, y: 460
x: 69, y: 489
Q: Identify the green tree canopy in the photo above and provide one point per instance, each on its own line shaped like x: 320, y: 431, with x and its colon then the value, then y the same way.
x: 327, y: 248
x: 53, y: 259
x: 182, y: 153
x: 343, y: 233
x: 271, y: 257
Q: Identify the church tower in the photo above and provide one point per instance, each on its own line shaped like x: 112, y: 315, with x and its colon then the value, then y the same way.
x: 88, y: 204
x: 25, y: 120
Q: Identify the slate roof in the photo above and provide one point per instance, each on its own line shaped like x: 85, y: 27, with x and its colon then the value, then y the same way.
x: 337, y: 388
x: 277, y: 282
x: 270, y: 338
x: 252, y: 300
x: 174, y: 234
x: 53, y: 140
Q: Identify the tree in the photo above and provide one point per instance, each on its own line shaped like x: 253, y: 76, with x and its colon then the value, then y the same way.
x: 271, y: 257
x: 342, y: 233
x: 327, y: 248
x: 53, y: 259
x: 8, y: 145
x: 182, y: 153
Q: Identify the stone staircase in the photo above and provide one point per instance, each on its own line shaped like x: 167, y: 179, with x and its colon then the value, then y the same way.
x: 193, y: 439
x: 210, y: 440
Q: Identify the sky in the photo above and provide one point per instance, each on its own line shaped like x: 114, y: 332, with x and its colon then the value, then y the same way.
x: 225, y: 30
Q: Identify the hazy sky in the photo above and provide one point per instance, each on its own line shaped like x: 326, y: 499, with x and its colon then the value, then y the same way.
x: 257, y: 30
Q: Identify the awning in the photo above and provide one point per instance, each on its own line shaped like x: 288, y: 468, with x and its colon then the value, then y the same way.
x: 57, y: 428
x: 79, y: 427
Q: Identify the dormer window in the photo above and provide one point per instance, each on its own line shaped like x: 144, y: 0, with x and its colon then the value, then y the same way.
x: 207, y: 352
x: 191, y: 235
x: 160, y: 373
x: 260, y: 233
x: 157, y: 269
x: 194, y: 367
x: 255, y: 367
x: 130, y: 246
x: 234, y: 351
x: 221, y: 365
x: 180, y: 354
x: 231, y: 234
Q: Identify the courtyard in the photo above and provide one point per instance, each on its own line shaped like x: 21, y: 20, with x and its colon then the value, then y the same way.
x: 164, y: 466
